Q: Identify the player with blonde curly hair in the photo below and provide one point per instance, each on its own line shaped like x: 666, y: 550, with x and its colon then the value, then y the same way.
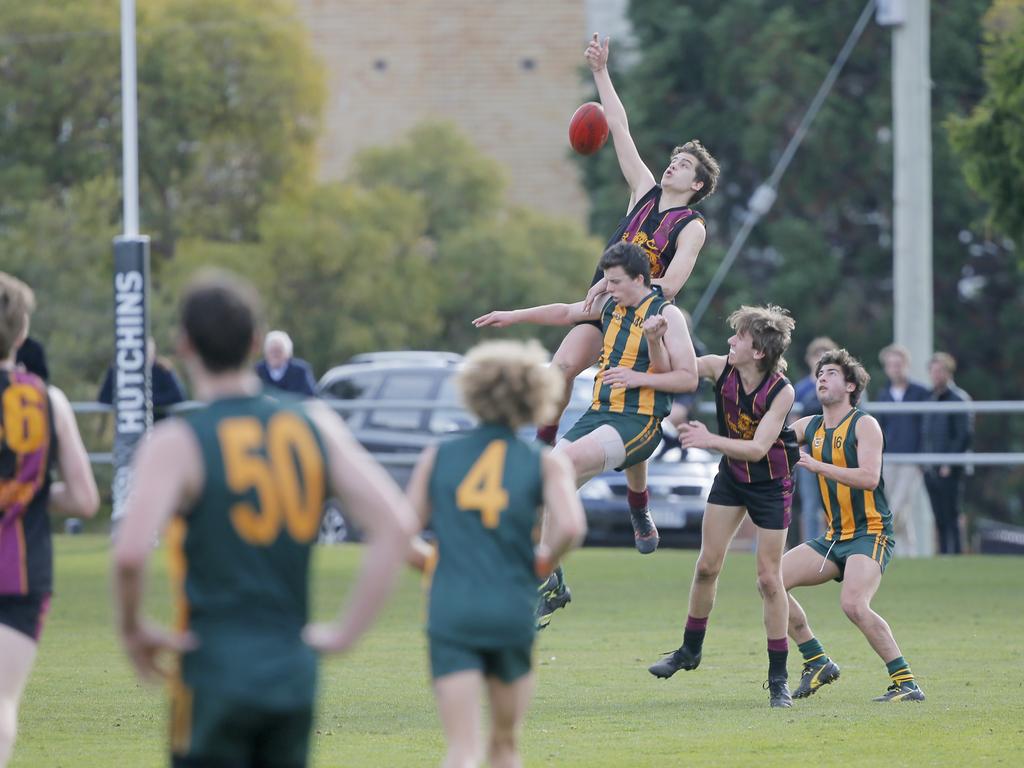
x: 482, y: 494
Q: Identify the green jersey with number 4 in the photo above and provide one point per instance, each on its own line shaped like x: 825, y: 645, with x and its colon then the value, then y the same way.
x: 486, y: 490
x: 240, y: 555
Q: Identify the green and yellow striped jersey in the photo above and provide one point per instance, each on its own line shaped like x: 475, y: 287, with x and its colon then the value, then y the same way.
x: 625, y: 345
x: 849, y: 511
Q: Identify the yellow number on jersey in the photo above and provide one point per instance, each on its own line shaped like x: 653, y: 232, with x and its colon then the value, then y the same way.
x: 270, y: 464
x: 481, y: 490
x: 24, y: 427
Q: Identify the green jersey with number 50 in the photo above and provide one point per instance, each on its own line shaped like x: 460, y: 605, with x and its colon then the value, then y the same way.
x: 240, y: 555
x: 486, y: 491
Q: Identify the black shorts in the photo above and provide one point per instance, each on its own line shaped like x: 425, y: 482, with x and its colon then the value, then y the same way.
x: 769, y: 502
x: 25, y: 613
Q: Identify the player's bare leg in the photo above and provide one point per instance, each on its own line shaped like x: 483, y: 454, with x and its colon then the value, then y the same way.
x: 579, y: 350
x: 770, y: 544
x: 508, y: 709
x: 861, y: 579
x: 803, y: 566
x: 458, y: 704
x: 17, y: 654
x: 719, y: 526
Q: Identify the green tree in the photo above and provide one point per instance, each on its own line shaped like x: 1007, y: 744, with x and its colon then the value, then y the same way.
x: 360, y: 259
x: 990, y: 140
x: 62, y: 250
x: 457, y: 183
x: 524, y: 259
x: 739, y: 76
x: 229, y: 105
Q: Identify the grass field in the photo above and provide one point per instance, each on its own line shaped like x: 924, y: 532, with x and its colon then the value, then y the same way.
x: 959, y: 622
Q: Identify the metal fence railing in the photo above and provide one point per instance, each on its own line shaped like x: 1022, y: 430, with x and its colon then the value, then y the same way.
x: 1008, y: 458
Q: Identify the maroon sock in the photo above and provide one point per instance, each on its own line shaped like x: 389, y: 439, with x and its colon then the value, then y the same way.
x: 547, y: 434
x: 778, y: 650
x: 693, y: 635
x: 638, y: 499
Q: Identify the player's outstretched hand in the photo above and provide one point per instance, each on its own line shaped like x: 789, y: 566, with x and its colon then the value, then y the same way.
x: 622, y: 377
x: 149, y: 644
x: 327, y: 637
x: 694, y: 434
x: 655, y: 327
x: 597, y: 53
x: 499, y: 318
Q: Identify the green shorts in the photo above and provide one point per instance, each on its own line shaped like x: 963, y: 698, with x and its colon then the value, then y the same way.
x: 640, y: 434
x: 876, y: 546
x: 508, y: 664
x: 209, y: 729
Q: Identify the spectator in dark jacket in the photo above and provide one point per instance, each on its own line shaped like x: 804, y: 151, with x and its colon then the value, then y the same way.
x: 904, y: 483
x: 946, y: 433
x: 279, y: 369
x: 32, y: 357
x: 167, y: 387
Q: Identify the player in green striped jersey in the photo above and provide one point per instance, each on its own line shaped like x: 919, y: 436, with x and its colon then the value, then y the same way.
x: 647, y: 354
x: 241, y: 482
x: 846, y: 453
x: 482, y: 494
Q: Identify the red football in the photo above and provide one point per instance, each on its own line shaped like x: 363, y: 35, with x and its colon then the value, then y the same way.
x: 588, y: 129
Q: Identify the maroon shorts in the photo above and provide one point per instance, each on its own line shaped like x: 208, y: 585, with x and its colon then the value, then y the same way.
x: 769, y: 502
x: 25, y: 613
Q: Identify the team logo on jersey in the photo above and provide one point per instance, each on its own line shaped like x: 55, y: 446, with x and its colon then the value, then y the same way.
x: 744, y: 426
x: 818, y: 441
x: 650, y: 247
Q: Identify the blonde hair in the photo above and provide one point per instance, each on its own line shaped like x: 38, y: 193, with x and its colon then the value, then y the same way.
x: 510, y: 383
x: 770, y: 328
x: 17, y: 302
x: 946, y: 360
x: 894, y: 349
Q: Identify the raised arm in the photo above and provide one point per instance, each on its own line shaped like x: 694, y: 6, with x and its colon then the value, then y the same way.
x: 696, y: 435
x: 637, y: 175
x: 546, y: 314
x: 869, y: 459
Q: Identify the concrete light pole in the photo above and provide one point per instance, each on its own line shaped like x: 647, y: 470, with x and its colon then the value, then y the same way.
x: 913, y: 287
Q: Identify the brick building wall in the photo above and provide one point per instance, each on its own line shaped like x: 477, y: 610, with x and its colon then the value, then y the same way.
x: 507, y: 72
